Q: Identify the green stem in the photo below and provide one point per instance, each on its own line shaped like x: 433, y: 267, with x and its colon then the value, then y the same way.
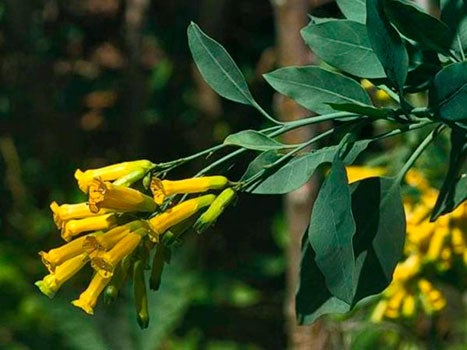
x: 418, y: 151
x: 264, y: 113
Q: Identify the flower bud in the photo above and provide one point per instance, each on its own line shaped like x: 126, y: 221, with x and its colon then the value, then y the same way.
x: 216, y: 208
x: 140, y: 293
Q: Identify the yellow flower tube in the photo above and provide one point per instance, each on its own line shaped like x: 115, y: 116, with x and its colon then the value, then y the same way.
x: 119, y: 198
x: 216, y: 208
x: 88, y: 299
x: 110, y: 173
x: 164, y: 188
x: 57, y: 256
x: 95, y: 223
x: 96, y: 243
x: 63, y: 213
x: 105, y: 263
x: 394, y: 304
x: 172, y: 216
x: 50, y: 284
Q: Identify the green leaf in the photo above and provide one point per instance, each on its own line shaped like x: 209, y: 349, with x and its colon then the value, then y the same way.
x: 379, y: 221
x: 370, y: 111
x: 345, y: 45
x: 314, y: 87
x: 380, y: 233
x: 330, y: 233
x: 453, y: 14
x: 313, y: 298
x: 261, y: 162
x: 253, y: 140
x: 448, y: 94
x: 217, y: 67
x: 297, y: 171
x: 387, y: 44
x: 418, y: 25
x: 454, y: 189
x: 353, y: 9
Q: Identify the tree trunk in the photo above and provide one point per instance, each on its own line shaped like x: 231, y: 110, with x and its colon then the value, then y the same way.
x: 291, y: 17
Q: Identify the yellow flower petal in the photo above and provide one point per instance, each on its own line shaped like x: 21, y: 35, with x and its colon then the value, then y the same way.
x: 88, y: 299
x: 119, y: 198
x: 109, y: 173
x: 163, y: 188
x: 99, y: 222
x: 57, y: 256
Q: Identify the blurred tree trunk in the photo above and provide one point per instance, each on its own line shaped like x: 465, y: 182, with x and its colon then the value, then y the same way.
x: 135, y: 92
x: 290, y: 17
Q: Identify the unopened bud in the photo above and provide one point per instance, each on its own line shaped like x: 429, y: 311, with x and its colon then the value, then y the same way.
x: 216, y: 208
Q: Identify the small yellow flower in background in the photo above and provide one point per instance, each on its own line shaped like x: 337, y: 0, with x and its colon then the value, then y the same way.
x: 111, y: 172
x: 161, y: 189
x: 53, y: 281
x: 172, y: 216
x: 356, y: 173
x: 428, y: 244
x: 88, y: 299
x: 119, y: 198
x: 94, y: 223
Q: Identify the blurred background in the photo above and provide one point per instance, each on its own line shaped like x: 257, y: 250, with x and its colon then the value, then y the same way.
x: 86, y: 83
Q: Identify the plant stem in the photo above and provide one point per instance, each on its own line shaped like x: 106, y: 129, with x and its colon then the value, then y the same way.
x: 418, y: 151
x: 264, y: 113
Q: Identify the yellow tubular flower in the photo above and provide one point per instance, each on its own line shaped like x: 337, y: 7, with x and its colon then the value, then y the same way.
x: 65, y: 212
x: 356, y: 173
x: 50, y: 284
x: 96, y: 243
x: 110, y: 173
x: 408, y: 306
x: 416, y: 179
x: 119, y: 198
x: 57, y: 256
x: 105, y: 263
x: 88, y: 299
x: 379, y: 311
x: 164, y: 188
x: 99, y: 222
x: 394, y: 304
x: 436, y: 244
x: 457, y: 240
x: 162, y: 222
x: 366, y: 84
x: 407, y: 269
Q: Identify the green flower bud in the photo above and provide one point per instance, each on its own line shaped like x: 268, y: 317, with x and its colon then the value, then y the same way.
x: 216, y: 208
x: 161, y: 256
x: 141, y: 298
x: 118, y: 279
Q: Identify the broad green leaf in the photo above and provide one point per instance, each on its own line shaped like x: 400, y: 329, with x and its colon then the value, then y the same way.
x: 454, y: 189
x: 297, y: 171
x: 330, y: 233
x: 353, y: 9
x: 448, y: 94
x: 423, y: 66
x: 387, y: 44
x: 345, y: 45
x: 315, y: 87
x: 453, y: 13
x: 254, y: 140
x: 380, y: 233
x: 418, y: 25
x: 217, y: 67
x: 377, y: 245
x: 313, y: 298
x: 369, y: 111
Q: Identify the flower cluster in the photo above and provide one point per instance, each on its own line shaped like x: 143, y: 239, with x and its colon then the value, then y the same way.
x: 431, y: 248
x: 119, y: 225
